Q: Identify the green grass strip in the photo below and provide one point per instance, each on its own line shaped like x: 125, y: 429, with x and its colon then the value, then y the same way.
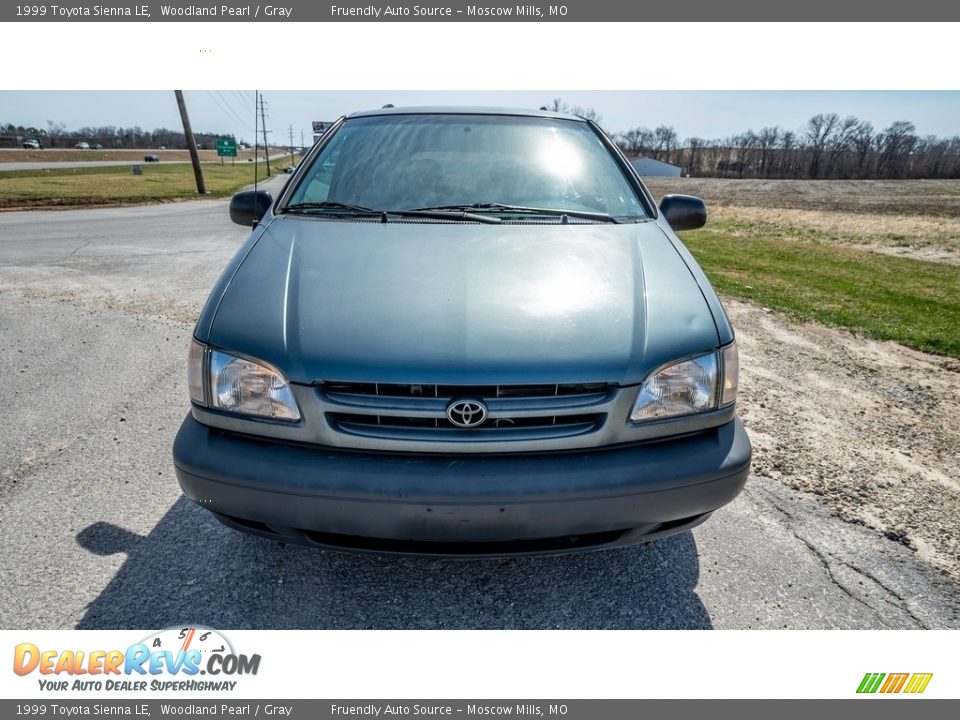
x: 103, y: 185
x: 909, y: 301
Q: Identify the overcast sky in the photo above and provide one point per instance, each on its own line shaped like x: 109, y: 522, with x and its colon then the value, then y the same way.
x: 707, y: 114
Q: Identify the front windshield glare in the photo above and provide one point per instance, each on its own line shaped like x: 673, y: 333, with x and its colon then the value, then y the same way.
x: 404, y: 162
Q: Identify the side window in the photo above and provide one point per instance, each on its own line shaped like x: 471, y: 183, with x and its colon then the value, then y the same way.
x: 317, y: 188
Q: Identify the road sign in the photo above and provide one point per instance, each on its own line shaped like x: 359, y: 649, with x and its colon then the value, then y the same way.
x: 226, y: 147
x: 319, y: 128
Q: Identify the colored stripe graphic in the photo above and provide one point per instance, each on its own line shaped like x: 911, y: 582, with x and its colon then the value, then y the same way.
x: 870, y: 682
x: 894, y: 682
x: 918, y: 682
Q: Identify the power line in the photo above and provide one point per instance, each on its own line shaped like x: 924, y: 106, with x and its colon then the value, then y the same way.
x: 228, y: 109
x: 231, y: 117
x: 237, y: 112
x: 228, y: 105
x: 217, y: 103
x: 243, y: 97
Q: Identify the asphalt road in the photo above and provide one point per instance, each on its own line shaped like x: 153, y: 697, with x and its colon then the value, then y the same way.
x: 96, y: 309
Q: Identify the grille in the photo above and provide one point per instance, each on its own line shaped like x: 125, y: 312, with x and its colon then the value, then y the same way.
x: 457, y: 391
x: 418, y: 411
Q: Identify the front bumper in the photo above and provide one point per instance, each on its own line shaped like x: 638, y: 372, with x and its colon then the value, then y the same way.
x: 472, y: 505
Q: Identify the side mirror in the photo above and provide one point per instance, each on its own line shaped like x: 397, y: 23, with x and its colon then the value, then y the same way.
x: 246, y: 208
x: 684, y: 212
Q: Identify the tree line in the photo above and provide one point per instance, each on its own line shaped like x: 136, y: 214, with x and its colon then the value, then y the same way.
x: 57, y: 135
x: 826, y: 147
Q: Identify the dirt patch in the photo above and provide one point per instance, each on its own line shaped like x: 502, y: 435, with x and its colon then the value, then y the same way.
x: 925, y: 253
x: 98, y: 291
x: 871, y: 427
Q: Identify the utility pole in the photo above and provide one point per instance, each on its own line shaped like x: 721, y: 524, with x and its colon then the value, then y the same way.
x: 263, y: 123
x: 291, y: 144
x: 191, y: 143
x: 256, y: 153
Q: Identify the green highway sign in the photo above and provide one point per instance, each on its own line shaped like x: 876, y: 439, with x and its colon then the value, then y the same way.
x: 226, y: 147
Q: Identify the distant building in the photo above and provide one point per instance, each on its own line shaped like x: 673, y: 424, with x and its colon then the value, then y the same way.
x: 649, y: 167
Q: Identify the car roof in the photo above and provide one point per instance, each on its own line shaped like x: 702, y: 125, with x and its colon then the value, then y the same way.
x: 460, y: 110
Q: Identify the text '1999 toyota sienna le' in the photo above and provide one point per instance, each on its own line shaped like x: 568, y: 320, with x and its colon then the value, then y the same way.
x: 463, y: 332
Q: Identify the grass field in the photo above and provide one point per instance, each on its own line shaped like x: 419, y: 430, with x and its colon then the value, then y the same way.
x: 822, y: 251
x: 70, y: 187
x: 912, y: 302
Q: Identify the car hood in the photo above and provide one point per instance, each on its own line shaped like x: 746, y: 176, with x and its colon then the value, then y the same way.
x: 456, y: 303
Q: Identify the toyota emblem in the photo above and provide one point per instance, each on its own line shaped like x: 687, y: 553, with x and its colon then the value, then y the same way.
x: 466, y: 413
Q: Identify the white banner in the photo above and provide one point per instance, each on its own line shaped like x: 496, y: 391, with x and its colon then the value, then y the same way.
x: 482, y: 664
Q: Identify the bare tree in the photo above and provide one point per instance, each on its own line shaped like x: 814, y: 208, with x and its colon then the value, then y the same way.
x: 898, y: 143
x: 861, y: 139
x: 818, y: 131
x: 587, y: 113
x: 55, y: 131
x: 825, y: 147
x: 666, y: 142
x: 766, y: 142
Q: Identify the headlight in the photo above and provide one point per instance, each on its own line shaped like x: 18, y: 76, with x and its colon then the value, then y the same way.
x: 246, y: 387
x: 238, y: 385
x: 689, y: 387
x: 680, y: 389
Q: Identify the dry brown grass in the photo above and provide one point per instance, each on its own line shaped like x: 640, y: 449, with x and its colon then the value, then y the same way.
x: 854, y: 226
x: 919, y: 219
x: 935, y: 239
x: 929, y: 198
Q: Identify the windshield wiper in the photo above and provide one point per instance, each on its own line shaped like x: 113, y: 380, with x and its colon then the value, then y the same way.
x: 557, y: 212
x: 445, y: 214
x: 332, y: 205
x: 435, y: 213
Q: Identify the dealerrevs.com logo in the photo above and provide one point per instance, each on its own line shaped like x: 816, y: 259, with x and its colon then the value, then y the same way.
x: 910, y: 683
x: 168, y: 660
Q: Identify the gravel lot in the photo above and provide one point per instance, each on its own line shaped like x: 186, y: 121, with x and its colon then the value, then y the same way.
x: 871, y: 427
x: 847, y: 522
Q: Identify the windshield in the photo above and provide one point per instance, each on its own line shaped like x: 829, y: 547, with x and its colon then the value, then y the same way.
x: 487, y: 162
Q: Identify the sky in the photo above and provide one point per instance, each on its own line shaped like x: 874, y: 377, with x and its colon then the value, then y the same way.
x: 707, y: 114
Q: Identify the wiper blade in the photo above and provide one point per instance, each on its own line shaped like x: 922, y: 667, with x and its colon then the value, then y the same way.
x: 439, y: 214
x: 332, y: 205
x: 445, y: 214
x: 558, y: 212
